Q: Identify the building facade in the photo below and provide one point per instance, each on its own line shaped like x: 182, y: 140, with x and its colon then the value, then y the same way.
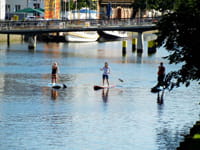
x: 2, y: 10
x: 119, y: 9
x: 52, y: 9
x: 12, y: 6
x: 15, y: 5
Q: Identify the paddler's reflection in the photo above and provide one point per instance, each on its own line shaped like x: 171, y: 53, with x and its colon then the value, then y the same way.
x: 160, y: 99
x: 54, y: 94
x: 105, y: 95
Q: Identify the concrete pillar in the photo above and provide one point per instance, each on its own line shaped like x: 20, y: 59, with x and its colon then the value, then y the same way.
x: 57, y: 37
x: 124, y: 46
x: 22, y: 38
x: 151, y: 47
x: 8, y: 40
x: 134, y: 43
x: 31, y: 42
x: 140, y: 42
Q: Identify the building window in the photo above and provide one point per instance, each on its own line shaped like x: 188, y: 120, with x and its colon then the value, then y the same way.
x: 17, y: 7
x: 36, y: 5
x: 8, y: 9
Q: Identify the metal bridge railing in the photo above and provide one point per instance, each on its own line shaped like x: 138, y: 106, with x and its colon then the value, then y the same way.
x: 48, y: 24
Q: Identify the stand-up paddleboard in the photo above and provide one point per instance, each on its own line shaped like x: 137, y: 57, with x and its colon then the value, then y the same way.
x: 156, y: 89
x: 98, y: 87
x: 57, y: 85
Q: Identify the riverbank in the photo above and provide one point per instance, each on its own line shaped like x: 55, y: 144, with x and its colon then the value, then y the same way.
x: 13, y: 38
x: 191, y: 141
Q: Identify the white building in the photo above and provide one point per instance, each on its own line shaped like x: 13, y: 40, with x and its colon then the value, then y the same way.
x: 15, y: 5
x: 12, y: 6
x: 2, y: 10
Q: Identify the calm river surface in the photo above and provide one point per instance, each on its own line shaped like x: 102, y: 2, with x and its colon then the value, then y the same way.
x: 128, y: 117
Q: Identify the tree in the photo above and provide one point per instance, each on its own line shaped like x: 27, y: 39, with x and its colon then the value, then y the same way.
x: 161, y: 5
x: 179, y: 32
x: 138, y: 5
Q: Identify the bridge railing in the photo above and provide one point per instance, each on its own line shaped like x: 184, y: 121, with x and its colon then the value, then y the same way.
x: 48, y: 24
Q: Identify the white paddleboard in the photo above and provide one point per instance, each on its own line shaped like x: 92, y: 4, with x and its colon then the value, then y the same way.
x: 98, y: 87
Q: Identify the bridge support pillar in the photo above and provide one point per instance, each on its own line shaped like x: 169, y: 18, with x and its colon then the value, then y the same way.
x: 32, y: 42
x: 134, y: 42
x: 124, y: 46
x: 151, y: 47
x: 140, y: 42
x: 8, y: 40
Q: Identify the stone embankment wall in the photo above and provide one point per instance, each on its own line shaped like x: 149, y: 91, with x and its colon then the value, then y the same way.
x: 13, y: 38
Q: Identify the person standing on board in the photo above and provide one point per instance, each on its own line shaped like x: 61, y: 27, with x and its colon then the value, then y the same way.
x: 54, y: 74
x: 161, y: 74
x: 106, y: 72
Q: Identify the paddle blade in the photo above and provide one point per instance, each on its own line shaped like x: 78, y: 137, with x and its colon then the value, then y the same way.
x: 64, y: 86
x: 97, y: 87
x: 121, y: 80
x: 56, y: 87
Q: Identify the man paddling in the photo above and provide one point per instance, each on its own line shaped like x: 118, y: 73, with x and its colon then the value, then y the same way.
x: 161, y: 74
x: 106, y: 72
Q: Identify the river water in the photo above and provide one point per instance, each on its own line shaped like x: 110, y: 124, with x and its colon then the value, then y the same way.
x: 128, y: 117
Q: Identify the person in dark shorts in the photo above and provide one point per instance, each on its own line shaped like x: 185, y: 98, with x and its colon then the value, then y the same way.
x: 106, y: 72
x: 54, y: 74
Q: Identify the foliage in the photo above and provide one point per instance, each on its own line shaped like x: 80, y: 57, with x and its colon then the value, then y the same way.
x: 179, y: 33
x: 138, y: 5
x: 161, y: 5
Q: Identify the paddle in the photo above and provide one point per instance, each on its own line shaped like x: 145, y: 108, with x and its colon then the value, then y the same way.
x: 61, y: 80
x: 121, y: 80
x: 114, y: 76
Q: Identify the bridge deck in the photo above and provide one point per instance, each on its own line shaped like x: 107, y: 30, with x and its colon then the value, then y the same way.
x: 38, y: 27
x: 39, y: 31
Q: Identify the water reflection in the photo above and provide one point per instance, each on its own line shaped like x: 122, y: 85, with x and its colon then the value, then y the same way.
x: 105, y: 93
x: 167, y: 139
x: 139, y: 58
x: 54, y: 94
x: 124, y: 59
x: 160, y: 98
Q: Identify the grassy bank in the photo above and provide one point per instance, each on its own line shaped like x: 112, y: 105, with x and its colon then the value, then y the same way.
x: 13, y: 38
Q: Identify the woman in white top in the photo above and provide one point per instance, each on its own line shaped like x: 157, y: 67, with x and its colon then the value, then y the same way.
x: 106, y: 72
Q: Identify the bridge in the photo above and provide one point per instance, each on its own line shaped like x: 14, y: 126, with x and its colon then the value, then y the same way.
x: 36, y: 27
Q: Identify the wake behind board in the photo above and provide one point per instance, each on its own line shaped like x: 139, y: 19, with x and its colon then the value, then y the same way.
x: 98, y: 87
x: 57, y: 86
